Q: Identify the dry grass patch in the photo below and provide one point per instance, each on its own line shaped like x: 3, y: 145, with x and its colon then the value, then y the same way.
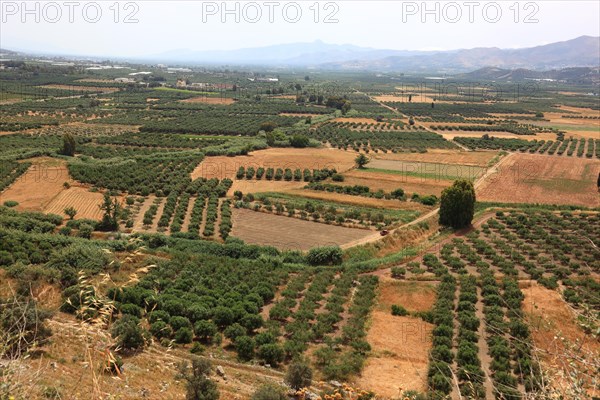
x: 358, y: 200
x: 400, y: 345
x: 526, y: 178
x: 561, y: 344
x: 442, y: 156
x: 426, y: 169
x: 226, y: 167
x: 389, y: 182
x: 81, y: 88
x: 209, y: 100
x: 37, y: 187
x: 255, y: 186
x: 85, y: 202
x: 71, y: 365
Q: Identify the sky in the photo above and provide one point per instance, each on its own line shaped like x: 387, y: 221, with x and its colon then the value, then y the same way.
x: 151, y: 27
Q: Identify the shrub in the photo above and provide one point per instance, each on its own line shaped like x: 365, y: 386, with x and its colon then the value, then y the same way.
x: 11, y: 203
x: 399, y: 310
x: 21, y: 324
x: 244, y: 345
x: 299, y: 375
x: 328, y: 255
x: 178, y: 322
x: 160, y: 330
x: 398, y: 194
x: 205, y: 329
x: 337, y: 178
x: 234, y: 331
x: 197, y: 384
x: 398, y: 272
x: 271, y: 353
x: 184, y: 336
x: 299, y: 141
x: 129, y: 333
x: 270, y: 392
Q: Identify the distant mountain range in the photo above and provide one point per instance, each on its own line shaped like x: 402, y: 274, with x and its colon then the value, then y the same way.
x: 574, y: 74
x: 583, y: 51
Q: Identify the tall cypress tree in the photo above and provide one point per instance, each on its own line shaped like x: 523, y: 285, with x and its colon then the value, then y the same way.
x: 458, y: 204
x: 69, y: 145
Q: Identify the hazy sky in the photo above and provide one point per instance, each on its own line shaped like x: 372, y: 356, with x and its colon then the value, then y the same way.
x: 86, y: 27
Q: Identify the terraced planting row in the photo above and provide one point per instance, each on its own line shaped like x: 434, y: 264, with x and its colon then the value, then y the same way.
x: 326, y: 308
x: 442, y: 112
x: 10, y: 171
x: 571, y: 147
x: 87, y: 130
x: 278, y: 174
x: 516, y: 128
x: 193, y: 122
x: 195, y: 214
x: 327, y: 212
x: 159, y: 174
x: 390, y: 125
x: 414, y: 141
x: 556, y: 249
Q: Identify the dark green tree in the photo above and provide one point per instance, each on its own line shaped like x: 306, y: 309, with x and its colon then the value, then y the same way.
x: 458, y: 204
x: 268, y: 126
x: 69, y: 145
x: 129, y: 333
x: 361, y: 161
x: 111, y: 210
x: 299, y: 141
x: 70, y: 212
x: 346, y: 107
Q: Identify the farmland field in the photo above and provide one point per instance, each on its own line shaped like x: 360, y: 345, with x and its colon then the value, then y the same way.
x: 542, y: 179
x: 391, y: 181
x: 383, y: 234
x: 426, y: 169
x: 36, y: 188
x: 85, y: 202
x: 401, y: 343
x: 476, y: 158
x: 226, y: 167
x: 289, y: 233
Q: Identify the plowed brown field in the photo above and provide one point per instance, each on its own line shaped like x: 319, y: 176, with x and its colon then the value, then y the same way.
x: 478, y: 158
x: 85, y: 202
x: 36, y: 188
x: 226, y: 167
x: 525, y: 178
x: 289, y: 233
x: 389, y: 182
x: 209, y: 100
